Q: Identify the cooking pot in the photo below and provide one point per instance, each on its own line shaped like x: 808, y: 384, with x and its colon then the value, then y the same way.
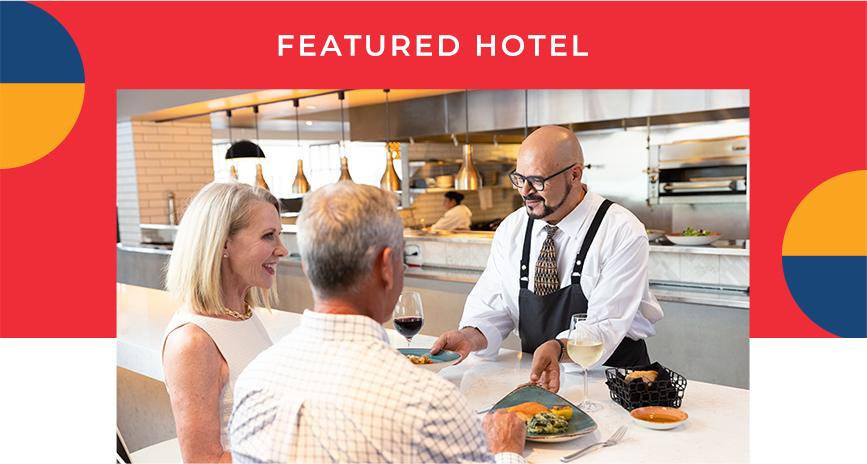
x: 446, y: 181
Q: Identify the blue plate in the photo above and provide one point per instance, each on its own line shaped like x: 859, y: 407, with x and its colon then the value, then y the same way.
x: 442, y: 359
x: 579, y: 424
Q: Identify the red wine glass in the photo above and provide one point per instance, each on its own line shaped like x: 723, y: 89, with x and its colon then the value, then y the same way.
x: 408, y: 315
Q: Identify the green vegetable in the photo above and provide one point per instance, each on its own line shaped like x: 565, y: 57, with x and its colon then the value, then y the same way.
x: 547, y: 423
x: 690, y: 232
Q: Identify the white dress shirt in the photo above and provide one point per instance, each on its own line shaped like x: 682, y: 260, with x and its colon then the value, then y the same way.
x: 458, y: 217
x: 614, y: 279
x: 334, y: 390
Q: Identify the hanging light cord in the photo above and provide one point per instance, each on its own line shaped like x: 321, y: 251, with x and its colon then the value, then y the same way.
x: 229, y: 117
x: 256, y: 122
x: 526, y: 110
x: 467, y: 112
x: 342, y: 133
x: 297, y: 127
x: 387, y: 129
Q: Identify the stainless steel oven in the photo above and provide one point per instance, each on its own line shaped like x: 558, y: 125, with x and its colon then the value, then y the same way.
x: 699, y: 171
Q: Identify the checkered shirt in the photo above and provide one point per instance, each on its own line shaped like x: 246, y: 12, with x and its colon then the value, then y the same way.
x: 334, y: 390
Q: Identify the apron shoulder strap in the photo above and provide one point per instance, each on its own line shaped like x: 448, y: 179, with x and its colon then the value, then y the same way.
x: 525, y: 257
x: 588, y: 240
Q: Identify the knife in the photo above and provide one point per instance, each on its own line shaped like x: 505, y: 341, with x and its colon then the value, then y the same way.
x: 484, y: 409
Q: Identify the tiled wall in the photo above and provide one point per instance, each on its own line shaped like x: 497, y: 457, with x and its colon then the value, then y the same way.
x: 127, y: 187
x: 154, y: 159
x: 700, y: 268
x: 452, y: 253
x: 713, y: 269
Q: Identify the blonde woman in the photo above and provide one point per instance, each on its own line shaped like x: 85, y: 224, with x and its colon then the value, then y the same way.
x: 223, y: 262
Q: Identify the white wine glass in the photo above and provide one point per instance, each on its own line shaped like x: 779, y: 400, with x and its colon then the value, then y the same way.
x: 408, y: 315
x: 585, y: 348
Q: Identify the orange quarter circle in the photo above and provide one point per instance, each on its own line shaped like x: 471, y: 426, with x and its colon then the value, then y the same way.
x: 35, y: 118
x: 831, y: 220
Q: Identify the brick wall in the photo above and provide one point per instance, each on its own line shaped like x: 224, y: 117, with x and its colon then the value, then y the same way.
x: 154, y: 159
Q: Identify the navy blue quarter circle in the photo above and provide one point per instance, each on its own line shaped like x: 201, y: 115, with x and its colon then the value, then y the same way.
x: 35, y: 48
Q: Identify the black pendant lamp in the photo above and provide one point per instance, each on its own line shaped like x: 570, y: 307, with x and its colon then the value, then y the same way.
x: 243, y: 148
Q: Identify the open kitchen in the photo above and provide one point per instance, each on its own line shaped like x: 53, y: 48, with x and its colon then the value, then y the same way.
x: 677, y: 160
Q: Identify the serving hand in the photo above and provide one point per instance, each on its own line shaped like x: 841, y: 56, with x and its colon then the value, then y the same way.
x: 545, y: 370
x: 460, y: 341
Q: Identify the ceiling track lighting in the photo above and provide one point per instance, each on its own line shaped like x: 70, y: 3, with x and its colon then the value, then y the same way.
x: 248, y: 106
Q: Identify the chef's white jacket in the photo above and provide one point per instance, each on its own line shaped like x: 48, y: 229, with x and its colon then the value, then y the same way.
x: 458, y: 217
x: 614, y: 279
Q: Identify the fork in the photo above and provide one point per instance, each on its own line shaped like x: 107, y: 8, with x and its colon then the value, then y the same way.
x: 613, y: 440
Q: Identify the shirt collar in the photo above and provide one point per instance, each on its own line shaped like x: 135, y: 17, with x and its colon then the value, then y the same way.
x: 571, y: 224
x: 342, y: 327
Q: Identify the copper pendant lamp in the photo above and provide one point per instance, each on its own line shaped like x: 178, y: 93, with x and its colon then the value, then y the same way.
x: 300, y: 185
x: 344, y: 163
x: 390, y: 180
x: 467, y: 177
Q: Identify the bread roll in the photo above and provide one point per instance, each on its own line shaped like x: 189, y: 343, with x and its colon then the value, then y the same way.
x: 647, y: 376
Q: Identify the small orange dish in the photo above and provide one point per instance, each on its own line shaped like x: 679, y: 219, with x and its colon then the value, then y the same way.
x: 658, y: 417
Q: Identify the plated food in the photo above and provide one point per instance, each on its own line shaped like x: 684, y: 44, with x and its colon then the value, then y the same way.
x: 542, y: 420
x: 526, y: 411
x: 537, y: 405
x: 438, y: 362
x: 547, y: 423
x: 658, y: 417
x: 419, y: 359
x: 690, y: 232
x: 692, y: 236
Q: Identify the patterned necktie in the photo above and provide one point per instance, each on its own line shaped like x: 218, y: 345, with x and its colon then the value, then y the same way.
x: 547, y: 280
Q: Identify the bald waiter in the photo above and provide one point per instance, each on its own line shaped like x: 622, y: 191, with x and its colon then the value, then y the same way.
x: 569, y: 251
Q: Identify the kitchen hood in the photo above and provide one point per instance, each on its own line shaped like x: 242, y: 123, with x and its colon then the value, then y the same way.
x: 502, y: 113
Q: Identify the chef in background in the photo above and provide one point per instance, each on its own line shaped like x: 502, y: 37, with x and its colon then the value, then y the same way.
x: 457, y: 216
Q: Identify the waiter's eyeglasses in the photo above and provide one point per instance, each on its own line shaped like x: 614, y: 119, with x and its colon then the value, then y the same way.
x: 538, y: 183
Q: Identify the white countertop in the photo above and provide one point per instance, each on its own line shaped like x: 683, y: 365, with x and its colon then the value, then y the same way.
x: 717, y: 429
x: 720, y: 247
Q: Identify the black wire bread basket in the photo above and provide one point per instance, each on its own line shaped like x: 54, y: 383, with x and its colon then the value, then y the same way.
x: 666, y: 390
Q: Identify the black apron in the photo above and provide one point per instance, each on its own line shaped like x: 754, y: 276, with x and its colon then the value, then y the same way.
x: 541, y: 318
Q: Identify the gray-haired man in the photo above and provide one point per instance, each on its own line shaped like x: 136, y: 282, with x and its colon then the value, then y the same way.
x: 334, y: 390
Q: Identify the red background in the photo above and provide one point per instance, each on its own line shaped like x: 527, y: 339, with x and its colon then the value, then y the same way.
x: 805, y: 65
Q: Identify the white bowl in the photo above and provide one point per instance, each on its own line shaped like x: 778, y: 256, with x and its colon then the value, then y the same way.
x: 679, y: 239
x: 653, y: 234
x: 658, y: 417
